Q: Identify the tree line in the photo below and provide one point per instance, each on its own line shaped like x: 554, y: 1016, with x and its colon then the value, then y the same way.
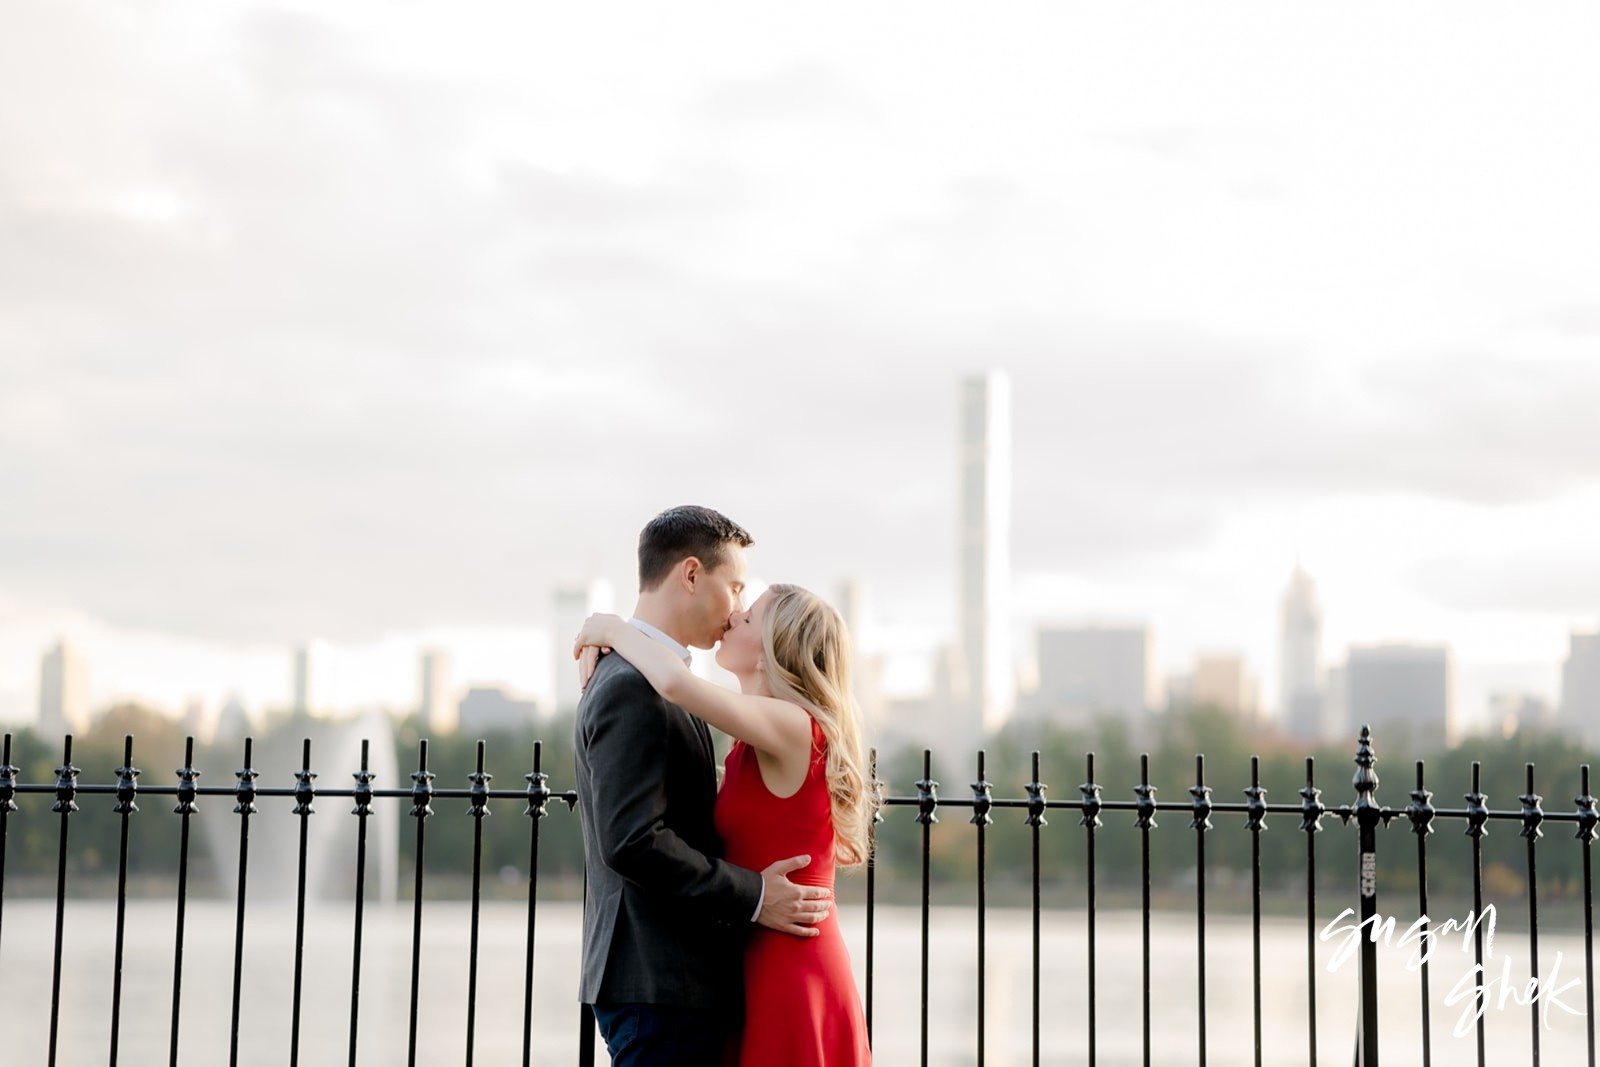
x: 32, y: 832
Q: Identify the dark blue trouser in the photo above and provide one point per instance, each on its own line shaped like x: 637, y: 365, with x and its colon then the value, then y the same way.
x: 662, y: 1035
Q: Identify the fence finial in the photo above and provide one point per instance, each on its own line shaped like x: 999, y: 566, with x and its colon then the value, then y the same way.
x: 127, y: 780
x: 66, y: 781
x: 479, y: 796
x: 362, y: 791
x: 1311, y: 807
x: 8, y: 779
x: 244, y: 793
x: 1146, y: 808
x: 1477, y: 807
x: 304, y: 792
x: 1420, y: 810
x: 1532, y: 813
x: 1091, y: 797
x: 927, y: 792
x: 1036, y: 800
x: 1255, y: 799
x: 1588, y: 817
x: 188, y: 781
x: 982, y: 796
x: 421, y: 784
x: 1201, y: 820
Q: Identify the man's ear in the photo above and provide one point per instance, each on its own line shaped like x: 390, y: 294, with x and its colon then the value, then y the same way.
x: 689, y: 572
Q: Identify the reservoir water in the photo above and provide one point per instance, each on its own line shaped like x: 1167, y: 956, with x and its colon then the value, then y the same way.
x: 27, y: 937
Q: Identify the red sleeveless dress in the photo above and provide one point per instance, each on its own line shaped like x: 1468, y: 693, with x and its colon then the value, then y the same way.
x: 801, y: 1004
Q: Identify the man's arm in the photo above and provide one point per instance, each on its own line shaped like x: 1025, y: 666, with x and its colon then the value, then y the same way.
x: 626, y: 733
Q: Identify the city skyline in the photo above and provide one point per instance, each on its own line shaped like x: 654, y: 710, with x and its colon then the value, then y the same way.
x: 365, y: 327
x: 1044, y: 682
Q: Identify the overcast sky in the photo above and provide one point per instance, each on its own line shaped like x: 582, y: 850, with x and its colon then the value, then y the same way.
x: 375, y: 322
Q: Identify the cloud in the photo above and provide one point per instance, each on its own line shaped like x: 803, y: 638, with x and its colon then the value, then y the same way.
x: 1532, y: 581
x: 300, y: 339
x: 805, y: 91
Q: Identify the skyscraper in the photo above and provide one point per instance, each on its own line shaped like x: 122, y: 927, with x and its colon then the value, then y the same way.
x: 1580, y: 687
x: 63, y: 692
x: 1404, y: 692
x: 985, y: 535
x: 573, y: 604
x: 1300, y: 688
x: 302, y: 680
x: 1089, y: 671
x: 1223, y: 682
x: 868, y: 670
x: 435, y: 709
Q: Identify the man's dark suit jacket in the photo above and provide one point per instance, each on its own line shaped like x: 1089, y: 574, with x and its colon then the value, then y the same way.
x: 665, y: 917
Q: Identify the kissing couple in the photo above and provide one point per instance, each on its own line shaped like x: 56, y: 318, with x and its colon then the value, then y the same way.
x: 709, y: 933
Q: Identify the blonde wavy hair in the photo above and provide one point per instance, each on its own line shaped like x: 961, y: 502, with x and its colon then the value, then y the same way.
x: 808, y: 662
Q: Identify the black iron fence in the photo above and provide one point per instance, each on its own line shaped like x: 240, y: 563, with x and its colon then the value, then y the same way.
x: 1359, y: 923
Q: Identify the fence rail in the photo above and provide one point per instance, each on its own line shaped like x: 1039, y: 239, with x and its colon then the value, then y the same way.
x: 1367, y: 816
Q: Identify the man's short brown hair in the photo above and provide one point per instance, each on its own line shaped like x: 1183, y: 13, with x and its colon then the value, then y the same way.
x: 681, y: 532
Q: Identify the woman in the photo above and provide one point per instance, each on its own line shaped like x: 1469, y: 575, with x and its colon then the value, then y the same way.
x: 794, y: 784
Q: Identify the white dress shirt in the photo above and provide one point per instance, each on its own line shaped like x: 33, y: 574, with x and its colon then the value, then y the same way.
x: 662, y: 636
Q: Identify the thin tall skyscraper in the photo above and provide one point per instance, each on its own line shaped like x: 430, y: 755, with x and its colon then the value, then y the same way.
x: 63, y: 692
x: 1300, y: 696
x: 302, y: 680
x: 985, y: 537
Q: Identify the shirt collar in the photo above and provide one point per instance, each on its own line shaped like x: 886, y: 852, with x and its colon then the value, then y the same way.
x: 651, y: 631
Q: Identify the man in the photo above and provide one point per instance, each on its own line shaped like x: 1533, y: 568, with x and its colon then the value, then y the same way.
x: 664, y: 916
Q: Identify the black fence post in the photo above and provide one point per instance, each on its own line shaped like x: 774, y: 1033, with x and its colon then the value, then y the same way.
x: 361, y: 795
x: 1200, y: 822
x: 1532, y: 816
x: 8, y: 790
x: 305, y: 795
x: 1256, y: 823
x: 421, y: 809
x: 126, y: 806
x: 1311, y: 812
x: 1036, y: 806
x: 927, y: 815
x: 876, y: 785
x: 65, y: 805
x: 1588, y: 828
x: 1478, y: 829
x: 187, y: 791
x: 1367, y: 814
x: 244, y: 806
x: 1420, y: 811
x: 538, y: 800
x: 982, y: 801
x: 1145, y: 820
x: 478, y: 808
x: 1090, y: 821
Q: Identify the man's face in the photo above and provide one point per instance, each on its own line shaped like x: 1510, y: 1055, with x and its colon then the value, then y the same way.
x: 718, y: 594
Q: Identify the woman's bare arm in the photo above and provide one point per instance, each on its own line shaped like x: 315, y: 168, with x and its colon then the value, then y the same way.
x: 775, y: 727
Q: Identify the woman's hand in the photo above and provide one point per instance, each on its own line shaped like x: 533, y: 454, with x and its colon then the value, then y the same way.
x: 592, y: 642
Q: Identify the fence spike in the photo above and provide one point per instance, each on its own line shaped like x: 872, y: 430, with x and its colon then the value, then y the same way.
x: 1420, y: 811
x: 66, y: 782
x: 982, y: 797
x: 1532, y: 812
x: 1588, y: 816
x: 1311, y: 807
x: 1201, y: 805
